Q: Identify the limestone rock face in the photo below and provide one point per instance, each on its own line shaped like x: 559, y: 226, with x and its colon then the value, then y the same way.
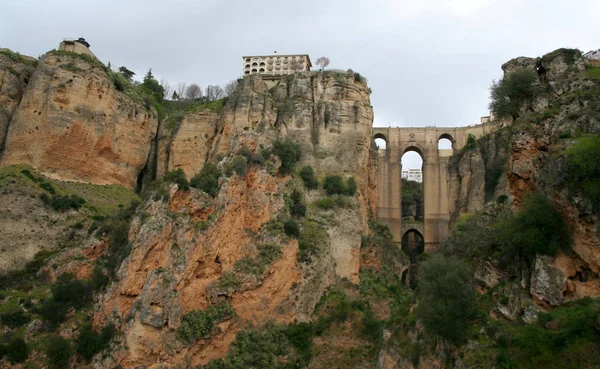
x: 72, y: 124
x: 192, y: 141
x: 15, y: 72
x: 328, y: 114
x: 478, y: 175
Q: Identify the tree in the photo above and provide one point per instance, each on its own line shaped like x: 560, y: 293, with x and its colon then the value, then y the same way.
x: 58, y: 351
x: 214, y: 93
x: 167, y: 87
x: 511, y: 92
x: 181, y: 89
x: 175, y: 96
x: 322, y: 62
x: 446, y: 297
x: 126, y: 73
x: 230, y: 87
x: 152, y: 87
x: 193, y: 92
x: 537, y: 228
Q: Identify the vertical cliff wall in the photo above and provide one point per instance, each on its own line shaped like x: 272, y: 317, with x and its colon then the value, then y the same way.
x: 72, y: 124
x: 190, y: 251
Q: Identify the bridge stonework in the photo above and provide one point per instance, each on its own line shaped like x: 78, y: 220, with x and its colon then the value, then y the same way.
x: 436, y: 185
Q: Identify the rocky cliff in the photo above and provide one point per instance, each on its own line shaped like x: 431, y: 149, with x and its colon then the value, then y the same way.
x: 71, y: 123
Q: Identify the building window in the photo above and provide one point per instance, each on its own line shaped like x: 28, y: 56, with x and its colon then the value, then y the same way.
x: 262, y: 64
x: 254, y: 70
x: 247, y: 65
x: 247, y: 60
x: 254, y: 64
x: 247, y: 72
x: 262, y: 70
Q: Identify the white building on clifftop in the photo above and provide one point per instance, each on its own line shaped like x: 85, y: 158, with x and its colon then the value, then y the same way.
x: 276, y: 65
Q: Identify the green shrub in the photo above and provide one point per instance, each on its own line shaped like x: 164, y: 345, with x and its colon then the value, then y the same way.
x: 99, y: 279
x: 47, y: 187
x: 245, y: 152
x: 289, y: 154
x: 17, y: 350
x: 299, y: 210
x: 228, y: 281
x: 308, y: 177
x: 537, y: 228
x: 560, y: 344
x: 446, y: 297
x: 14, y: 319
x: 291, y: 228
x: 63, y: 203
x: 311, y: 239
x: 90, y: 343
x: 201, y: 323
x: 117, y: 228
x: 207, y: 180
x: 59, y: 352
x: 334, y: 184
x: 584, y: 169
x: 264, y: 347
x: 300, y: 336
x: 330, y: 202
x: 325, y: 203
x: 238, y: 164
x: 177, y: 176
x: 67, y: 293
x: 471, y: 142
x: 510, y: 93
x: 351, y: 187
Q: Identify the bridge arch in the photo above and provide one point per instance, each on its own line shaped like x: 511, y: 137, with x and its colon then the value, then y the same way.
x: 377, y: 138
x: 446, y: 141
x: 413, y: 244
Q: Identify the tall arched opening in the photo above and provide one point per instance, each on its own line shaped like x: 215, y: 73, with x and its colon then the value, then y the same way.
x: 413, y: 244
x: 411, y: 164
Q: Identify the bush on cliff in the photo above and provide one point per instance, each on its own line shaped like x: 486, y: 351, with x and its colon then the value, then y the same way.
x: 59, y: 352
x: 334, y: 185
x: 537, y: 228
x: 308, y: 177
x: 584, y: 168
x: 291, y: 228
x: 207, y: 180
x: 177, y: 176
x: 16, y: 350
x: 63, y: 203
x: 90, y: 342
x: 201, y: 323
x: 239, y: 164
x: 510, y: 93
x: 289, y: 154
x: 446, y: 297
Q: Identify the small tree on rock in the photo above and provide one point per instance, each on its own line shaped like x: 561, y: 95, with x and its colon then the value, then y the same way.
x: 322, y: 62
x: 126, y: 73
x: 510, y: 93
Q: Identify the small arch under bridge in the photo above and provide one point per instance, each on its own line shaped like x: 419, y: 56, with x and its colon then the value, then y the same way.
x: 436, y: 185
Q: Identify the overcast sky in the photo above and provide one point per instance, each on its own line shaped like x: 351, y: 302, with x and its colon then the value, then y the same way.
x: 428, y: 62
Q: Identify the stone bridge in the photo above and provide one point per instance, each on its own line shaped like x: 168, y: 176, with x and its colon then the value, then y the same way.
x: 436, y: 188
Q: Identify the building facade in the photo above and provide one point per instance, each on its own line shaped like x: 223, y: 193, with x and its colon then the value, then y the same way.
x: 276, y: 65
x: 412, y: 175
x: 80, y: 46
